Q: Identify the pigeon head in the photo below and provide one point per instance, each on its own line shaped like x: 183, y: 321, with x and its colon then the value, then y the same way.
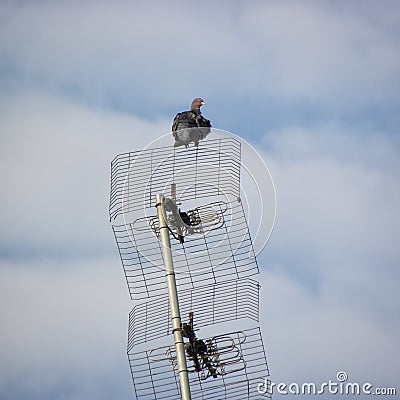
x: 197, y: 103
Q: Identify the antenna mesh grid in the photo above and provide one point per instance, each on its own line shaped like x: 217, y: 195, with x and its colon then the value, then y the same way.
x: 211, y: 304
x: 213, y: 260
x: 211, y: 169
x: 215, y: 256
x: 245, y: 368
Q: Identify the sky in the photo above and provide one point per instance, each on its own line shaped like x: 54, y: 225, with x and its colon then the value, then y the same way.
x: 313, y: 86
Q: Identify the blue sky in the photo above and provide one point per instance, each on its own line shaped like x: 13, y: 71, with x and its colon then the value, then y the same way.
x: 313, y: 85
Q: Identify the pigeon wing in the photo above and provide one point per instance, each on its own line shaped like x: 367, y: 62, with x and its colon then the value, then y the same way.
x: 176, y: 123
x: 205, y: 126
x: 203, y: 122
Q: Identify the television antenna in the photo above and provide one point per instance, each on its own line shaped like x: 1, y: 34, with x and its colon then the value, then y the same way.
x: 189, y: 263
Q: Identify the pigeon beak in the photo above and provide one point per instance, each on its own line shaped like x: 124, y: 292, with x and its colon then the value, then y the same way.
x: 202, y: 103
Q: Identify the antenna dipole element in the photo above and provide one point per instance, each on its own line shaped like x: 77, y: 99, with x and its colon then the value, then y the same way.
x: 173, y: 299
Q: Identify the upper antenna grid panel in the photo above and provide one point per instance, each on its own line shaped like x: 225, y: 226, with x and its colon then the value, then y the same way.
x: 209, y: 170
x: 207, y: 257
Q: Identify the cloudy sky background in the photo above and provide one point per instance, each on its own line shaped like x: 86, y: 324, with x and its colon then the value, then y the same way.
x: 313, y: 85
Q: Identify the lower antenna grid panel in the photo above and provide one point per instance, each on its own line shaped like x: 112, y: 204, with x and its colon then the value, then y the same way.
x: 238, y: 358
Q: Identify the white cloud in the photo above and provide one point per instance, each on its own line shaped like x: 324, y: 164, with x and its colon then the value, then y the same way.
x: 309, y: 338
x: 55, y: 166
x: 63, y: 330
x: 317, y: 51
x: 330, y: 294
x: 338, y: 185
x: 335, y: 58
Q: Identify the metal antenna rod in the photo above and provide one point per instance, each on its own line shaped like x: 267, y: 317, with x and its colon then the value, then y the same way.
x: 173, y: 300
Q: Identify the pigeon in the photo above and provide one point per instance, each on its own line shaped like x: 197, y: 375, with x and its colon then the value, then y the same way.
x: 190, y: 126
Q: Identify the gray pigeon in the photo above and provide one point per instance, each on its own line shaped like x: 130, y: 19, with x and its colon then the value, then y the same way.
x: 190, y: 126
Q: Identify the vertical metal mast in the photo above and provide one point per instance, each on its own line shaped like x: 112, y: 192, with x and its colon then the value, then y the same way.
x: 173, y: 300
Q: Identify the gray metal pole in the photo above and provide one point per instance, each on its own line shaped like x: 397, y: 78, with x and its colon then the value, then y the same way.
x: 173, y: 300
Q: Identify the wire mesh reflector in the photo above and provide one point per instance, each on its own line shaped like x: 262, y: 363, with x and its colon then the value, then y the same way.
x: 211, y: 169
x: 211, y: 304
x: 211, y: 257
x: 242, y: 367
